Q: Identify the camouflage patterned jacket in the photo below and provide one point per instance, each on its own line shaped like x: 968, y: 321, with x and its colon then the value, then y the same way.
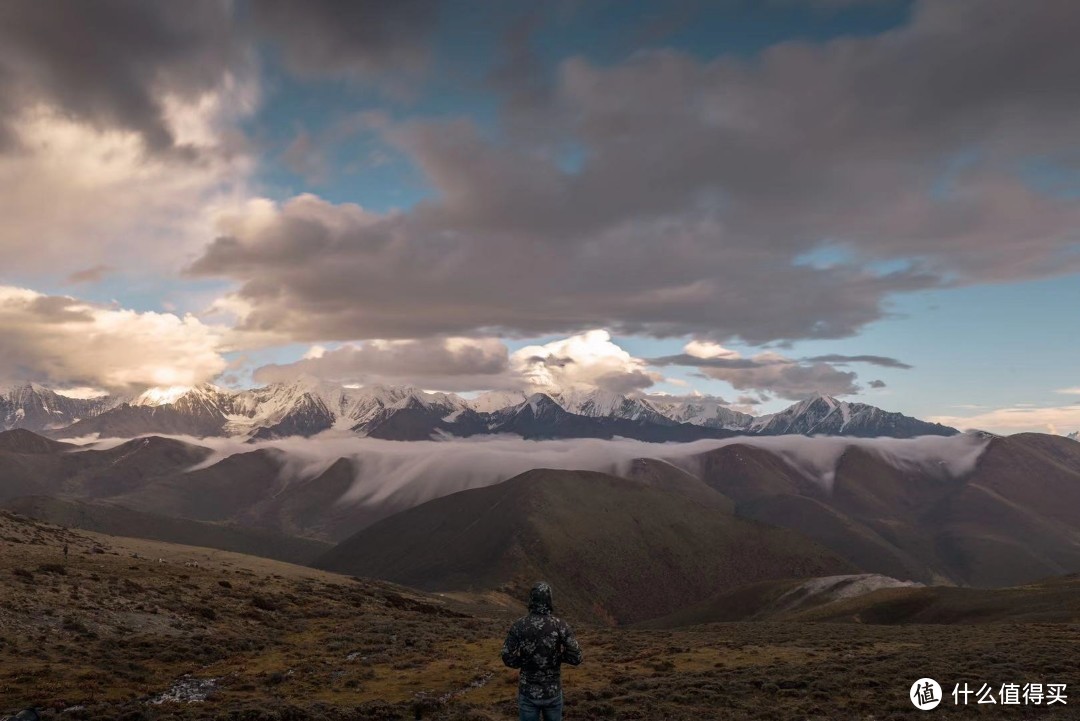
x: 539, y: 644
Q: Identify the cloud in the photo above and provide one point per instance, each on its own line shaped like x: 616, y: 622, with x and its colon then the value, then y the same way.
x: 348, y: 38
x: 119, y: 132
x: 1069, y: 391
x: 1020, y: 418
x: 585, y: 360
x: 765, y: 372
x: 707, y: 349
x: 399, y: 275
x: 789, y: 380
x: 876, y: 384
x: 114, y: 65
x: 877, y: 360
x: 394, y: 475
x: 62, y: 341
x: 310, y: 154
x: 304, y: 158
x: 447, y: 364
x: 90, y: 275
x: 77, y: 198
x: 703, y: 188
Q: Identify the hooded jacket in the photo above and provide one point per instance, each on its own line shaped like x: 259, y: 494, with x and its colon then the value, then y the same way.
x: 539, y: 644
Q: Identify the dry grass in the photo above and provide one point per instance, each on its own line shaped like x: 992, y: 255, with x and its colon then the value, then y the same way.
x: 104, y: 632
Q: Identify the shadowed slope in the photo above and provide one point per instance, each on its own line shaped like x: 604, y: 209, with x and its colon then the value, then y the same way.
x: 1012, y: 519
x: 618, y: 549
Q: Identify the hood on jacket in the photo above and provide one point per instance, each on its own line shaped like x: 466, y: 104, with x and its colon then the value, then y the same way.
x: 540, y: 599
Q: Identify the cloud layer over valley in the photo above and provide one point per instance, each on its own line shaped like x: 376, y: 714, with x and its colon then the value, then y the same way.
x: 403, y: 474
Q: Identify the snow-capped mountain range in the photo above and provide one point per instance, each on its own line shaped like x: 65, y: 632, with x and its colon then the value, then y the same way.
x: 307, y: 406
x: 36, y: 408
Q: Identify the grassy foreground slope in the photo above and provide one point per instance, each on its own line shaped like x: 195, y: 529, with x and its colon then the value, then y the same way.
x: 105, y: 517
x: 110, y: 636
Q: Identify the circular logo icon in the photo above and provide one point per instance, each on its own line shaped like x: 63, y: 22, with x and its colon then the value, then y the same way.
x: 925, y: 694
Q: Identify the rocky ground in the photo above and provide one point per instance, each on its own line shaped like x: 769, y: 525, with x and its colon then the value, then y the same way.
x: 128, y: 629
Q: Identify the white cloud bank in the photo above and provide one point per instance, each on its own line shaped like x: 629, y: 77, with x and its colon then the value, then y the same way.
x: 402, y: 475
x: 1019, y: 419
x: 64, y: 341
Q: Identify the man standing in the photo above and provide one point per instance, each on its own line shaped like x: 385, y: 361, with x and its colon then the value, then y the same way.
x: 539, y: 644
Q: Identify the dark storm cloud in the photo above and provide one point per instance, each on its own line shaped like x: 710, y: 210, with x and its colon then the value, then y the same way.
x: 702, y: 193
x: 319, y: 271
x: 350, y: 38
x: 111, y: 63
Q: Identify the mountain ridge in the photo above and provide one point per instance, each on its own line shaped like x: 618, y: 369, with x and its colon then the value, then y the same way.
x: 598, y: 536
x: 307, y: 406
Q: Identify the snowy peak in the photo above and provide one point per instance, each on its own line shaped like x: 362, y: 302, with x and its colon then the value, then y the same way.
x: 160, y: 396
x: 703, y: 411
x: 599, y: 403
x: 307, y: 406
x: 493, y: 401
x: 36, y: 408
x: 540, y: 404
x: 825, y: 415
x: 205, y: 399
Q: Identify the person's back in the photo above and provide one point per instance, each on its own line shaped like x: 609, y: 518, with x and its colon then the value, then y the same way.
x: 538, y: 644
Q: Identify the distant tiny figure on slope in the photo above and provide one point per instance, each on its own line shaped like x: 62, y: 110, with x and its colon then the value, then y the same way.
x: 539, y: 644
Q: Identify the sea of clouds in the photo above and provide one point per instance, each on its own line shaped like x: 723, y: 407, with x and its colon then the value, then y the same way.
x: 403, y: 474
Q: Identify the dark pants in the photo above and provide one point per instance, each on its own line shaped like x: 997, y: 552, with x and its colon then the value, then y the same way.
x: 548, y: 709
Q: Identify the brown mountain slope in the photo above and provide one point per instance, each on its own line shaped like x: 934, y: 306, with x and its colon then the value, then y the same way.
x: 104, y: 517
x: 618, y: 549
x: 1036, y: 471
x: 39, y: 466
x: 855, y: 541
x: 1055, y: 600
x: 24, y: 441
x: 741, y: 472
x: 314, y: 507
x: 162, y: 476
x: 1013, y: 519
x: 216, y: 493
x: 665, y: 477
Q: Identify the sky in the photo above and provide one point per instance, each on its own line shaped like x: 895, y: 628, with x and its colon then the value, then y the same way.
x: 753, y: 200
